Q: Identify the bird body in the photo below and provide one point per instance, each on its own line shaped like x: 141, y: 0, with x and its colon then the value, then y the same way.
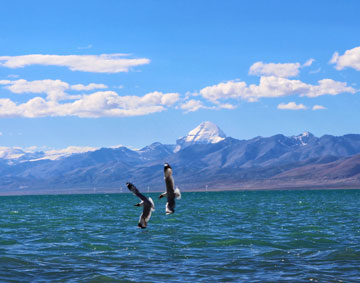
x: 146, y: 203
x: 171, y: 193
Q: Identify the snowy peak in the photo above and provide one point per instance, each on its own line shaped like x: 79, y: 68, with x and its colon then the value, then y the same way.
x: 306, y: 134
x: 11, y: 152
x: 16, y: 154
x: 206, y: 132
x: 304, y: 138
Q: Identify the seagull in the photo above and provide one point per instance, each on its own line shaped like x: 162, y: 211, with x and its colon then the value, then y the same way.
x: 147, y: 203
x: 170, y: 193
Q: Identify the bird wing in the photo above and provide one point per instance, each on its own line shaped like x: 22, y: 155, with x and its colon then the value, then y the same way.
x: 177, y: 193
x: 136, y: 192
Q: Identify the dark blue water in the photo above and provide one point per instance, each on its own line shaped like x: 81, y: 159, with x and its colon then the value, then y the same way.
x: 277, y: 236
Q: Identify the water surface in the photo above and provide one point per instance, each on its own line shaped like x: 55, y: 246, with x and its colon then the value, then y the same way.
x: 273, y: 236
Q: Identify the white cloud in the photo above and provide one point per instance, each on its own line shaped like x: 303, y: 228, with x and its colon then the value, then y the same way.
x: 275, y: 69
x: 271, y: 86
x: 318, y: 107
x: 227, y: 90
x: 192, y: 105
x: 283, y: 70
x: 226, y: 106
x: 308, y: 63
x: 291, y: 106
x: 98, y: 104
x: 8, y: 108
x: 105, y: 63
x: 92, y: 86
x: 1, y: 133
x: 110, y: 104
x: 351, y: 59
x: 275, y: 87
x: 157, y: 97
x: 328, y: 86
x: 55, y: 89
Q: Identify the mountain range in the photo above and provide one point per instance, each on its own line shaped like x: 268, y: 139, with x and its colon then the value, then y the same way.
x: 205, y: 159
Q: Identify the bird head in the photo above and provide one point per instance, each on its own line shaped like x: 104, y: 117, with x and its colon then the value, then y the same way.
x: 167, y: 169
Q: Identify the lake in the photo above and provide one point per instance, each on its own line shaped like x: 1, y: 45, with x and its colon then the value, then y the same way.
x: 237, y: 236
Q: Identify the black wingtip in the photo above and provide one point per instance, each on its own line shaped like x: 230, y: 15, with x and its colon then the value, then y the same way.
x: 129, y: 185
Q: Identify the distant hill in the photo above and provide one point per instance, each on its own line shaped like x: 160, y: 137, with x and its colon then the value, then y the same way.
x: 204, y: 159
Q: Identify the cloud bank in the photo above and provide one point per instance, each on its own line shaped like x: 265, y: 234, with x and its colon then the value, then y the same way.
x: 54, y: 89
x: 58, y: 102
x: 271, y: 87
x: 58, y: 98
x: 98, y: 104
x: 105, y: 63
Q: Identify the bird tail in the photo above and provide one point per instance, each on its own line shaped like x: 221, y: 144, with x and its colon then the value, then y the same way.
x: 177, y: 193
x: 169, y: 209
x: 142, y: 222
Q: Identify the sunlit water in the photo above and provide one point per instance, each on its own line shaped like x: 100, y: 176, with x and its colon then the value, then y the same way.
x: 277, y: 236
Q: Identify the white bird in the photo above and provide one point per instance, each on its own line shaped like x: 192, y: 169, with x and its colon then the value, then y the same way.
x: 170, y: 193
x: 146, y: 203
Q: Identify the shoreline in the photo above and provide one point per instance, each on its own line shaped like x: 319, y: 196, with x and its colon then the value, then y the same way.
x: 114, y: 191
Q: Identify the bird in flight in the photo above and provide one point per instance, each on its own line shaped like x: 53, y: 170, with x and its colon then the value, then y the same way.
x: 146, y: 203
x: 171, y: 193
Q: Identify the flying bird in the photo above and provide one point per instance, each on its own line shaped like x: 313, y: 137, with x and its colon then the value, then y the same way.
x: 146, y: 203
x: 170, y: 193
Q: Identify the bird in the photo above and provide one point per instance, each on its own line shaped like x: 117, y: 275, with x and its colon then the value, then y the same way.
x: 146, y: 203
x: 170, y: 193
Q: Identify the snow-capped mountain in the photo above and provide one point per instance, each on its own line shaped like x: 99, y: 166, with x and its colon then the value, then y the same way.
x: 156, y: 150
x: 207, y: 132
x: 66, y: 152
x: 11, y: 152
x: 205, y: 156
x: 17, y: 154
x: 304, y: 138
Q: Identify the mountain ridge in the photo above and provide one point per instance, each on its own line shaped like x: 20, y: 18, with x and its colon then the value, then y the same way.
x: 213, y: 161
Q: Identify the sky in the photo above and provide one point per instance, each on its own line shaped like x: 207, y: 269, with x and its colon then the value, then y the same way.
x: 80, y: 74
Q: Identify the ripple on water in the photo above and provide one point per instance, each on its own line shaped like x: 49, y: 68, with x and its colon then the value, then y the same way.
x: 303, y: 236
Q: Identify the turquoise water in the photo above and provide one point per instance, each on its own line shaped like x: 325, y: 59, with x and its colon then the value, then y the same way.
x: 277, y: 236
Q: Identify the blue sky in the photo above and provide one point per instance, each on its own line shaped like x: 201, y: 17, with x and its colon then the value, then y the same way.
x: 104, y: 73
